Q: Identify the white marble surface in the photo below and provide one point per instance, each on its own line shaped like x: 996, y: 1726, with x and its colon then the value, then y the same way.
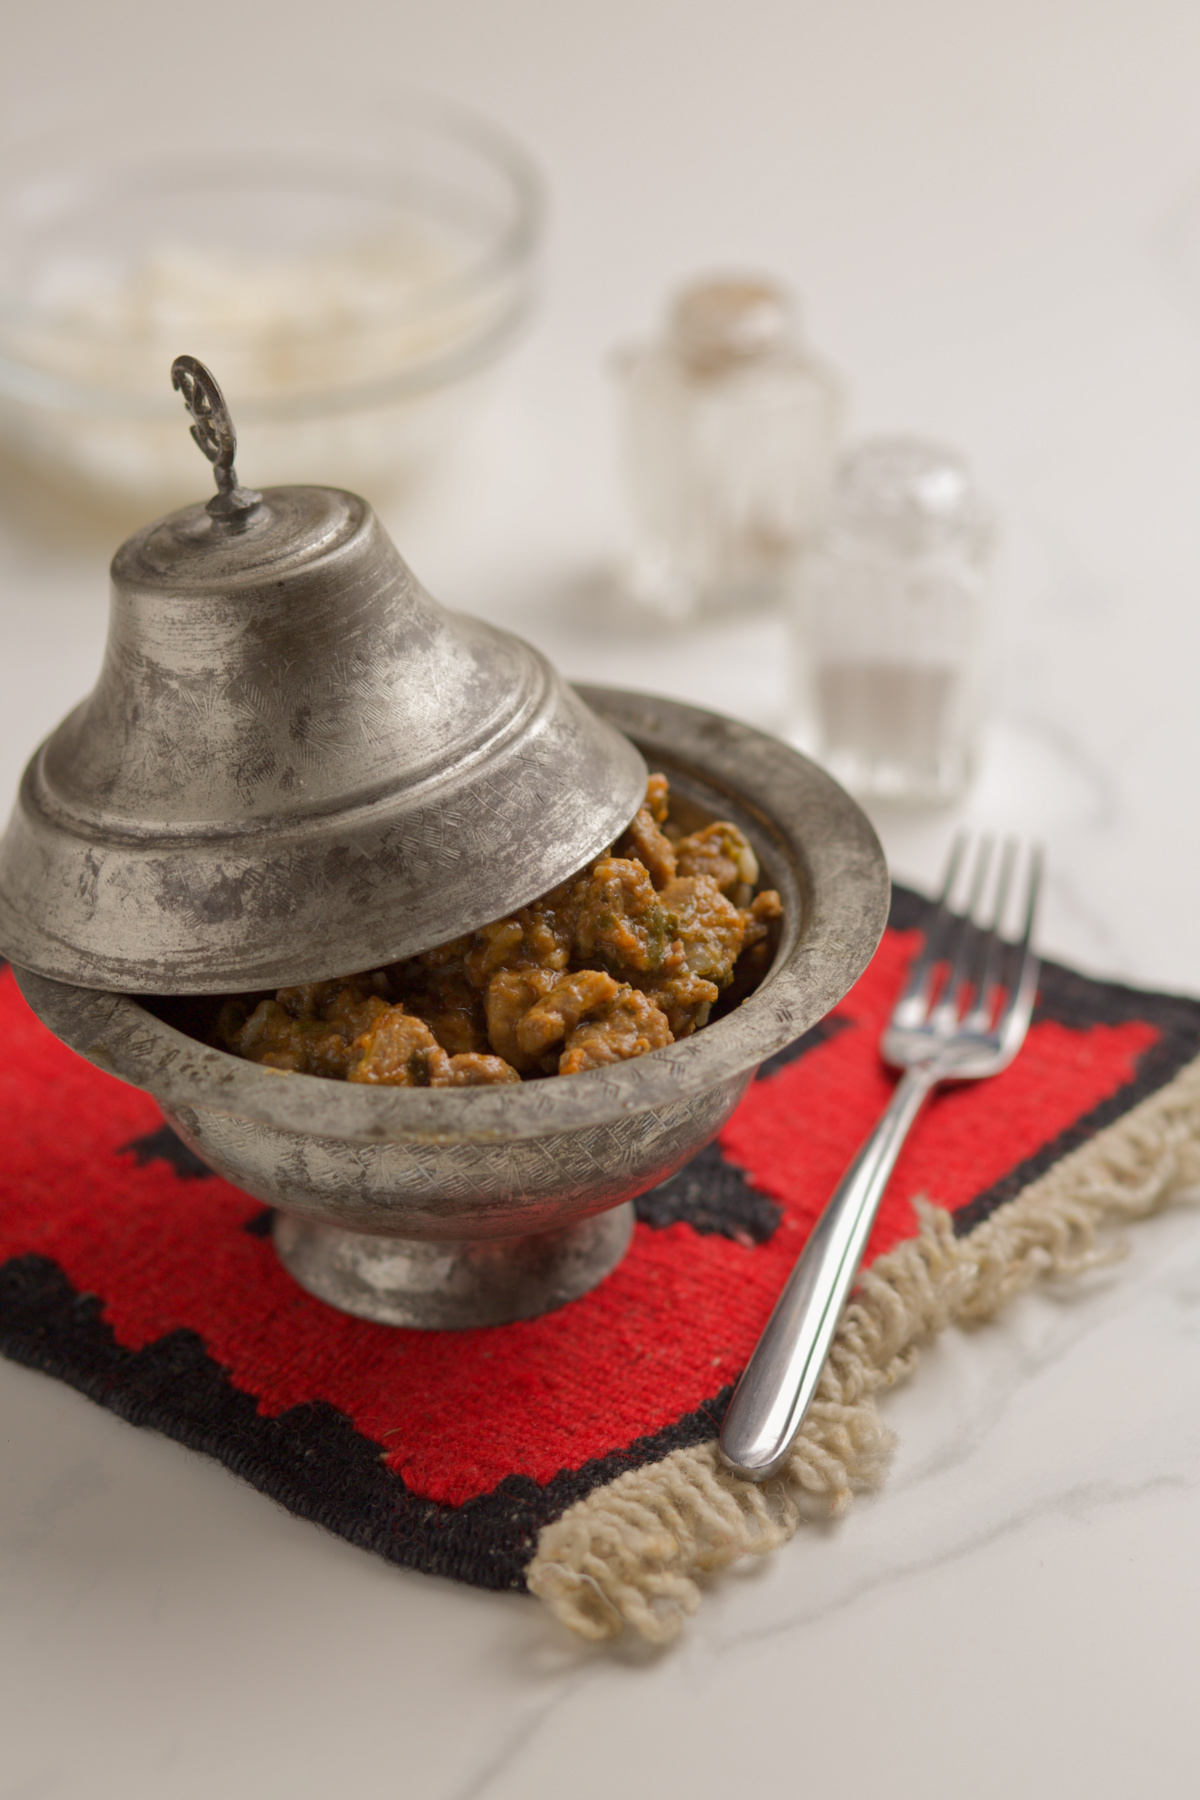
x: 994, y: 213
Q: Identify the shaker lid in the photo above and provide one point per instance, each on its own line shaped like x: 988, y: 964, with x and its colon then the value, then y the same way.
x: 295, y: 763
x: 911, y: 497
x: 723, y: 321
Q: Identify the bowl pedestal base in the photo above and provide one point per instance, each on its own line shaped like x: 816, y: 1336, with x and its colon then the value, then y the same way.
x: 445, y: 1284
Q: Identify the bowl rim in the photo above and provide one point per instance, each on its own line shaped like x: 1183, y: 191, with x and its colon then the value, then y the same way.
x: 839, y: 885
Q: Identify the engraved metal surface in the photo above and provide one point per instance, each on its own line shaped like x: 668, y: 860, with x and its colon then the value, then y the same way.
x: 295, y: 763
x: 501, y: 1164
x: 458, y: 1189
x: 444, y: 1286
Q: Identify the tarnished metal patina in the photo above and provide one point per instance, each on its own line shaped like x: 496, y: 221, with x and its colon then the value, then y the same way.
x: 452, y: 1207
x: 296, y: 765
x: 295, y: 762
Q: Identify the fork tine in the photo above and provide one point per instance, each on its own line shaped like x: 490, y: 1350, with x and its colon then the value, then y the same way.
x: 993, y: 946
x: 1014, y: 1018
x: 920, y: 975
x: 961, y: 969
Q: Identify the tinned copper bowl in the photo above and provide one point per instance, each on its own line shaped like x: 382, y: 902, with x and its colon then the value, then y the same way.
x: 449, y: 1208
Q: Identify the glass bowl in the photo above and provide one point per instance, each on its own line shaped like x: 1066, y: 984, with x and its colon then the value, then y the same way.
x: 348, y: 266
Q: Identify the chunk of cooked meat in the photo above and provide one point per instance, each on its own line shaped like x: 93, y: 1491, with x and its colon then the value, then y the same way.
x: 400, y: 1051
x: 706, y: 928
x: 314, y: 1045
x: 650, y: 846
x: 621, y: 922
x: 629, y: 1024
x: 686, y: 999
x: 623, y: 958
x: 535, y: 937
x: 759, y: 916
x: 267, y: 1034
x: 510, y: 994
x: 480, y: 1071
x: 497, y: 946
x: 571, y: 999
x: 721, y: 852
x: 658, y: 798
x: 760, y: 919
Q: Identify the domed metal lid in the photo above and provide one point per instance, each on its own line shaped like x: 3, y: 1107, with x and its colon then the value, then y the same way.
x: 295, y: 763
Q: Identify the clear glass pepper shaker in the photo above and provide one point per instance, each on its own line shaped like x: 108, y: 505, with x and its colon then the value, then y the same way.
x: 889, y: 620
x: 730, y: 434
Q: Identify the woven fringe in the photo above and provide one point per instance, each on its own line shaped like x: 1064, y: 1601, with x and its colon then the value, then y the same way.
x: 629, y: 1554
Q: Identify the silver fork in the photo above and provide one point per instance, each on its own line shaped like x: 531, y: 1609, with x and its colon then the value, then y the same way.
x: 961, y: 1028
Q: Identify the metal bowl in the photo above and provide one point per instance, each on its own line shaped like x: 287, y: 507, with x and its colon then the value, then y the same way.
x: 445, y: 1208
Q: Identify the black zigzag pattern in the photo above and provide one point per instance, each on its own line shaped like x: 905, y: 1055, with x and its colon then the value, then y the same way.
x: 312, y: 1459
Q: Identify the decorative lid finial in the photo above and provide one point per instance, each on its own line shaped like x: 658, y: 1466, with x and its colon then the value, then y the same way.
x: 212, y: 429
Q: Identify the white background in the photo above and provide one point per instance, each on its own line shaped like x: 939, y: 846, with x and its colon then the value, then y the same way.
x: 993, y: 215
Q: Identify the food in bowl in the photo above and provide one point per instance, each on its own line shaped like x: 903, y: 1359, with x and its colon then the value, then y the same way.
x: 625, y: 957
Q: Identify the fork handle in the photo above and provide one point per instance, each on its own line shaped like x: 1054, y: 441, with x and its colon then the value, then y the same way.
x: 778, y: 1383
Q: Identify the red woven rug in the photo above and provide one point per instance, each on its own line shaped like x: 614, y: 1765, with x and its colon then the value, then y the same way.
x: 152, y: 1286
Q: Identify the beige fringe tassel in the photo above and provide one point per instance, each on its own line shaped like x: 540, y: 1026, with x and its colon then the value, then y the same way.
x: 629, y: 1554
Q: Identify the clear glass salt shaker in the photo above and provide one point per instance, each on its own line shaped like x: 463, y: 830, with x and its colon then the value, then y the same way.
x: 889, y: 621
x: 730, y: 432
